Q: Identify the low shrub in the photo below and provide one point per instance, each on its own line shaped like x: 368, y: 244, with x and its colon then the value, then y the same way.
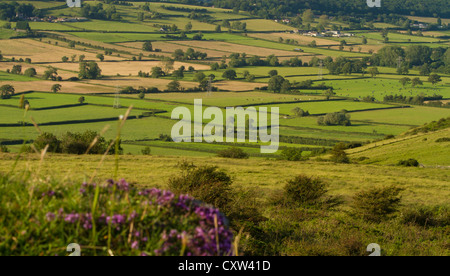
x: 304, y: 190
x: 206, y: 183
x: 146, y: 151
x: 49, y: 139
x: 75, y: 143
x: 233, y: 152
x: 408, y: 163
x: 426, y: 216
x: 292, y: 154
x: 339, y: 156
x: 377, y: 203
x: 4, y: 149
x: 443, y: 139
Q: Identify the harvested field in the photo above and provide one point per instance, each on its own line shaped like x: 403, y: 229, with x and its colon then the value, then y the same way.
x: 40, y: 68
x: 234, y: 48
x: 126, y: 68
x: 266, y: 25
x: 170, y: 47
x: 67, y: 87
x: 364, y: 48
x: 237, y: 86
x: 302, y: 40
x: 135, y: 82
x: 38, y: 51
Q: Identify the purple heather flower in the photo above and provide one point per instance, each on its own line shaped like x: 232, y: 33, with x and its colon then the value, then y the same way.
x: 123, y: 185
x: 72, y: 218
x: 50, y: 216
x: 116, y: 219
x: 135, y: 245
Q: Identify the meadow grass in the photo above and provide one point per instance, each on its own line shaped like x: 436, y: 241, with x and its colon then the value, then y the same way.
x: 423, y: 148
x: 423, y: 184
x: 118, y: 37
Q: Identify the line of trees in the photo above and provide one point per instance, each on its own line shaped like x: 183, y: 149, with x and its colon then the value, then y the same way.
x: 419, y: 57
x: 190, y: 54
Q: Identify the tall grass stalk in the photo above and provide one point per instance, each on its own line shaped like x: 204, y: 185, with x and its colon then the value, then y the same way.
x: 27, y: 107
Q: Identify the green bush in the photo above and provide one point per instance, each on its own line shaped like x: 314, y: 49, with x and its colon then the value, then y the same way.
x: 205, y: 183
x: 233, y: 152
x: 339, y: 156
x: 146, y: 151
x: 75, y: 143
x: 334, y: 119
x: 292, y: 154
x: 408, y: 163
x: 4, y: 149
x: 426, y: 216
x: 47, y: 139
x: 443, y: 139
x: 377, y: 203
x: 213, y: 186
x: 305, y: 190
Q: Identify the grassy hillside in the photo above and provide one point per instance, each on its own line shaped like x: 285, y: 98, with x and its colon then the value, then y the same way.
x: 425, y: 148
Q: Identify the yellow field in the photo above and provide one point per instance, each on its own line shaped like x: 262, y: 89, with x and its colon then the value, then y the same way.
x: 169, y: 47
x: 237, y: 86
x: 364, y: 48
x: 428, y: 19
x: 67, y: 87
x: 126, y: 68
x: 233, y: 48
x: 266, y: 25
x: 302, y: 40
x: 38, y: 51
x: 136, y: 82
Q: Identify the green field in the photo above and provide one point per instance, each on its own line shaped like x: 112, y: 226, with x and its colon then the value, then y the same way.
x: 272, y: 207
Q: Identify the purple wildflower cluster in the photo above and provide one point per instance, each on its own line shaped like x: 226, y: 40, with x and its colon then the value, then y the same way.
x: 208, y: 236
x: 121, y: 185
x: 84, y: 219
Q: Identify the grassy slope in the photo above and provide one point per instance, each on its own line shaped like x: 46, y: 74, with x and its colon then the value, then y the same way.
x: 422, y: 147
x: 423, y: 185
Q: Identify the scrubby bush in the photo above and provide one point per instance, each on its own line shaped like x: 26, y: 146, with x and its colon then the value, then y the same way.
x: 126, y: 221
x: 426, y: 216
x: 339, y: 156
x: 206, y: 183
x: 292, y: 154
x: 408, y: 163
x: 443, y: 139
x: 334, y: 119
x: 300, y: 112
x: 377, y: 203
x: 47, y: 139
x: 305, y: 190
x: 4, y: 149
x: 233, y: 152
x: 146, y: 151
x: 75, y: 143
x: 79, y: 143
